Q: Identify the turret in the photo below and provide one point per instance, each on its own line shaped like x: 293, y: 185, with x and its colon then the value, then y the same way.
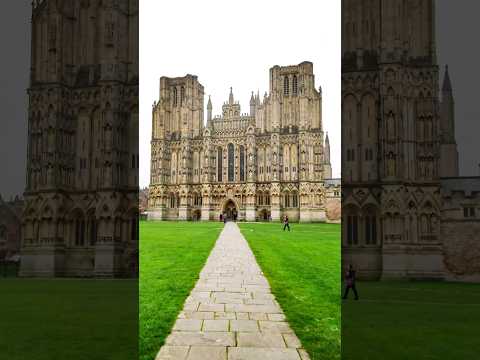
x: 230, y: 97
x: 327, y: 166
x: 448, y: 148
x: 209, y: 109
x: 327, y: 149
x: 252, y: 105
x: 447, y: 109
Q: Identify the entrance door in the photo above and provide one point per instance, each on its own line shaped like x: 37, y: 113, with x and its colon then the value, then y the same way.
x: 231, y: 211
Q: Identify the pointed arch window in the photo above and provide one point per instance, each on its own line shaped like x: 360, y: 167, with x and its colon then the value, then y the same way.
x: 242, y: 163
x: 174, y: 96
x: 352, y: 229
x: 219, y: 164
x: 231, y: 163
x: 295, y: 85
x: 182, y: 95
x: 79, y: 231
x: 286, y: 86
x: 371, y: 229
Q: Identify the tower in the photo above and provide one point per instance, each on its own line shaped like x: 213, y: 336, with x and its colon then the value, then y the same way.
x: 81, y: 195
x: 391, y: 151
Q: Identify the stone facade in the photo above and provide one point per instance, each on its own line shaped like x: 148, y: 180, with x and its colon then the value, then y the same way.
x: 460, y: 228
x: 81, y: 202
x: 333, y: 200
x: 10, y: 228
x: 262, y: 165
x: 398, y: 141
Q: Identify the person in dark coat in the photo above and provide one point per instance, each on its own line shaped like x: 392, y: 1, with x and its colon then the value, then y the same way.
x: 285, y: 223
x: 350, y: 282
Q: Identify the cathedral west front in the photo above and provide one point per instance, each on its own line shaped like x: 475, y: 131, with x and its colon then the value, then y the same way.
x: 261, y: 165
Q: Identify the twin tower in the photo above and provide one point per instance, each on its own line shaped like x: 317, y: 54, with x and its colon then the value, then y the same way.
x: 264, y: 164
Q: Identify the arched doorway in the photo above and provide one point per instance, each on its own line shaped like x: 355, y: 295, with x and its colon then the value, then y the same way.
x: 230, y: 210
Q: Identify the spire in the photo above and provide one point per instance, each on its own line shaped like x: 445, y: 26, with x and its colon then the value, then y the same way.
x: 209, y: 109
x: 230, y: 98
x: 447, y: 84
x: 327, y: 149
x: 253, y: 105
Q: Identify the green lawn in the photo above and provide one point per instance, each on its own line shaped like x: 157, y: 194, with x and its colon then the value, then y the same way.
x: 171, y: 257
x: 72, y: 319
x: 393, y: 320
x: 303, y: 268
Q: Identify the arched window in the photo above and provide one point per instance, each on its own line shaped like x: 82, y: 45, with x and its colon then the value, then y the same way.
x: 267, y: 199
x: 242, y: 163
x: 370, y: 229
x: 219, y: 164
x: 231, y: 163
x: 92, y: 225
x: 79, y: 231
x: 287, y: 200
x: 295, y: 85
x: 286, y: 88
x: 182, y: 95
x: 352, y: 229
x: 134, y: 228
x: 260, y: 199
x: 295, y: 200
x: 174, y: 96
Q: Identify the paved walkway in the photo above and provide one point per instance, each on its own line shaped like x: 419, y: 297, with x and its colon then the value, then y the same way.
x: 231, y: 313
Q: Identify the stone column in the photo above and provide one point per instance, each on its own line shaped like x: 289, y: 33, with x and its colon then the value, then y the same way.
x: 275, y: 202
x: 205, y: 206
x: 183, y: 207
x: 305, y: 203
x: 250, y: 203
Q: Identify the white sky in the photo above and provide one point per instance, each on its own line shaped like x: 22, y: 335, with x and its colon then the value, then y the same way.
x: 235, y: 43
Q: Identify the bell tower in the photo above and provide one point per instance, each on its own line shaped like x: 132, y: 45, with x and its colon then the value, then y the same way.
x: 391, y: 137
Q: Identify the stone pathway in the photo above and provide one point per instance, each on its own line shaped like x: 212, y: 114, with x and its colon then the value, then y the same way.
x: 231, y: 313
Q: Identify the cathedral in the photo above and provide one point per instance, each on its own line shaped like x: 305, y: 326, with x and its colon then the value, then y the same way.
x: 81, y: 198
x: 406, y: 213
x: 261, y: 165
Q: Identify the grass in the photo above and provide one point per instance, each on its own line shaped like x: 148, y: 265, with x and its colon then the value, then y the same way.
x: 172, y: 255
x: 394, y: 320
x: 75, y: 319
x: 303, y: 268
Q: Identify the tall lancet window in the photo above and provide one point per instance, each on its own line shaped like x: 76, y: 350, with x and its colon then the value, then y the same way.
x: 219, y: 164
x: 174, y: 96
x: 295, y: 85
x: 182, y: 95
x: 242, y: 163
x: 286, y: 86
x: 231, y: 163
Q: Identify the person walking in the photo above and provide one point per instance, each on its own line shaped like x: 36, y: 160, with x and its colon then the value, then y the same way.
x: 285, y: 223
x: 350, y: 282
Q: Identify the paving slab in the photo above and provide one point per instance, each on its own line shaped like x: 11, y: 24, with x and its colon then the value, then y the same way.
x: 231, y: 314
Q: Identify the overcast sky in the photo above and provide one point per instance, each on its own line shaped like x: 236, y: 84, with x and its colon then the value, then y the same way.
x: 234, y: 44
